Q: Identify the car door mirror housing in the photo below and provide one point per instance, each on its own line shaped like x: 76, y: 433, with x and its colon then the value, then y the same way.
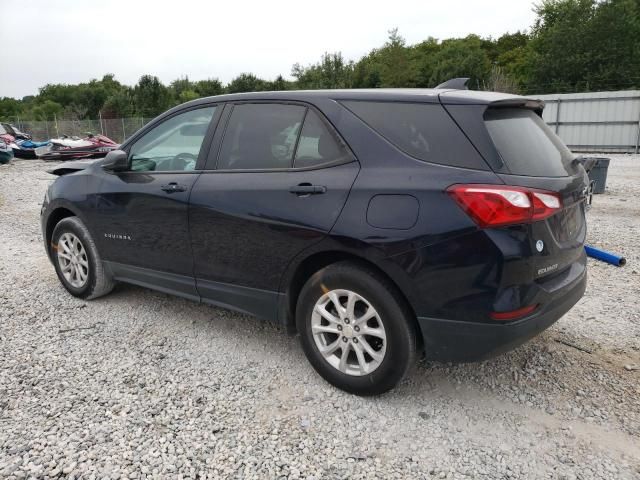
x: 116, y: 161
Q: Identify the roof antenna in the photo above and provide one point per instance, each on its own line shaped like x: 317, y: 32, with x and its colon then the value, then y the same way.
x: 455, y: 83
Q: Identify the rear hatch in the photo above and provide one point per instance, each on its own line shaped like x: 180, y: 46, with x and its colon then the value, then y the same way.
x: 524, y: 152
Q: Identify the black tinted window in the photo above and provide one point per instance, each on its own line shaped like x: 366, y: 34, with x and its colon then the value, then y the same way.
x: 525, y: 143
x: 261, y: 136
x: 317, y: 144
x: 424, y: 131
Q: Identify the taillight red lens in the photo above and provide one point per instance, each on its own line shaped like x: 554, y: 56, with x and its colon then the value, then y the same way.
x: 498, y: 205
x: 513, y: 314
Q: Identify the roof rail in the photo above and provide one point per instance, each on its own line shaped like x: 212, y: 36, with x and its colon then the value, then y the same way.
x: 455, y: 83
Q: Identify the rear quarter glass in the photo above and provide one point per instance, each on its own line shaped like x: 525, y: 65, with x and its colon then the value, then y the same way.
x: 424, y: 131
x: 526, y: 145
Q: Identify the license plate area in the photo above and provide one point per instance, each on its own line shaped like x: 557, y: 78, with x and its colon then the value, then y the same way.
x: 566, y: 225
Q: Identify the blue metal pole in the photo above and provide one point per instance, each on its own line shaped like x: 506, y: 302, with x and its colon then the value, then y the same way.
x: 605, y: 256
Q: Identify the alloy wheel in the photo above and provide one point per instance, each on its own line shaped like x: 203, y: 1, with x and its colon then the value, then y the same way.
x: 73, y: 261
x: 348, y: 332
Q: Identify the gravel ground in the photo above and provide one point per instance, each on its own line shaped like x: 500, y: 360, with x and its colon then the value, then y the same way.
x: 140, y: 384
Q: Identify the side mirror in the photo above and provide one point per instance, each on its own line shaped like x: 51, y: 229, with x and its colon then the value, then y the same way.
x: 116, y: 161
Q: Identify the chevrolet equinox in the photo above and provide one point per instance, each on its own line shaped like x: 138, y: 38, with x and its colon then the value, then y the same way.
x: 375, y: 223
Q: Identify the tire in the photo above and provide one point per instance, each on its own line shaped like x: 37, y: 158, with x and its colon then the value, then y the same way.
x: 393, y: 343
x: 86, y: 277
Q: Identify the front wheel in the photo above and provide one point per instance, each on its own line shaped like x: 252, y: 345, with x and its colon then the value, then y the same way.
x: 77, y: 261
x: 355, y: 329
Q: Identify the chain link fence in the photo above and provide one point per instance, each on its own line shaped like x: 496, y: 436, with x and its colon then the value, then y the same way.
x: 117, y: 129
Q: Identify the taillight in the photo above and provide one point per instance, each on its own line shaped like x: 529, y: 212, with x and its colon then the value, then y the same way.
x: 496, y: 205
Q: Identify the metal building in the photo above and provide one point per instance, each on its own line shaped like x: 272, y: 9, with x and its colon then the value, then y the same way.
x: 595, y: 121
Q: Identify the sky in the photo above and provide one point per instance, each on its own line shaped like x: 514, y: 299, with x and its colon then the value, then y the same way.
x: 73, y: 41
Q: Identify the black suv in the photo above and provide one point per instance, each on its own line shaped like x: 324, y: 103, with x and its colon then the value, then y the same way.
x: 376, y: 223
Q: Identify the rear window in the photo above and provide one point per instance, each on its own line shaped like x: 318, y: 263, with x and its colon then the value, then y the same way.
x: 526, y: 144
x: 424, y: 131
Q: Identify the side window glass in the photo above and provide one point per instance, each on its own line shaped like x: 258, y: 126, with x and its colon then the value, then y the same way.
x: 173, y: 145
x: 260, y: 136
x: 317, y: 145
x: 423, y: 130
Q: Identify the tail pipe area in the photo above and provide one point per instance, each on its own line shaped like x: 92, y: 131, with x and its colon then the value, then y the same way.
x: 605, y: 256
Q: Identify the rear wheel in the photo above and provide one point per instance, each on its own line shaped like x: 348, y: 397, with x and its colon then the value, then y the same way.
x: 355, y: 329
x: 77, y: 261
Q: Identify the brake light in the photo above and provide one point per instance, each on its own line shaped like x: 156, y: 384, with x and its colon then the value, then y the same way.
x: 498, y: 205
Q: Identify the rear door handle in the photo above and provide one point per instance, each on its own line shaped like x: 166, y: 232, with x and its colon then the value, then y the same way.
x: 307, y: 189
x: 173, y: 187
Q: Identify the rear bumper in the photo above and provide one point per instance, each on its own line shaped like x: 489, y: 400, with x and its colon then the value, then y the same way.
x: 452, y: 340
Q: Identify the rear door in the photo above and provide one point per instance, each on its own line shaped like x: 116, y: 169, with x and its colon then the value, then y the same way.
x: 523, y: 151
x: 535, y: 157
x: 142, y: 214
x: 274, y: 187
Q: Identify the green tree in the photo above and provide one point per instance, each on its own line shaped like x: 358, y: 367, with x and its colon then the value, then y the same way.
x: 187, y: 96
x: 573, y: 46
x: 331, y: 72
x: 423, y: 55
x: 560, y: 46
x: 461, y: 57
x: 392, y: 65
x: 84, y: 100
x: 506, y: 45
x: 615, y: 43
x: 584, y: 45
x: 183, y: 90
x: 279, y: 84
x: 46, y: 110
x: 510, y: 57
x: 119, y: 104
x: 366, y: 74
x: 151, y: 97
x: 246, y: 82
x: 89, y: 98
x: 59, y: 93
x: 10, y: 108
x: 180, y: 85
x: 397, y: 68
x: 209, y: 87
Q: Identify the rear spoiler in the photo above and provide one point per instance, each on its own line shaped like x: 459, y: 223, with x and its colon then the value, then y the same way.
x: 522, y: 102
x: 461, y: 83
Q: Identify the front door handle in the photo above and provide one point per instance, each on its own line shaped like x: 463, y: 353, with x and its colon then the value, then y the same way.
x: 173, y: 187
x: 307, y: 189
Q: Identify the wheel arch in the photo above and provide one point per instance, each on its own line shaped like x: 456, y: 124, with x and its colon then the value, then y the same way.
x: 55, y: 216
x: 319, y: 260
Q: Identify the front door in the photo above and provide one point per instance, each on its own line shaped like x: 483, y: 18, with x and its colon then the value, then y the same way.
x: 143, y: 213
x: 281, y: 181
